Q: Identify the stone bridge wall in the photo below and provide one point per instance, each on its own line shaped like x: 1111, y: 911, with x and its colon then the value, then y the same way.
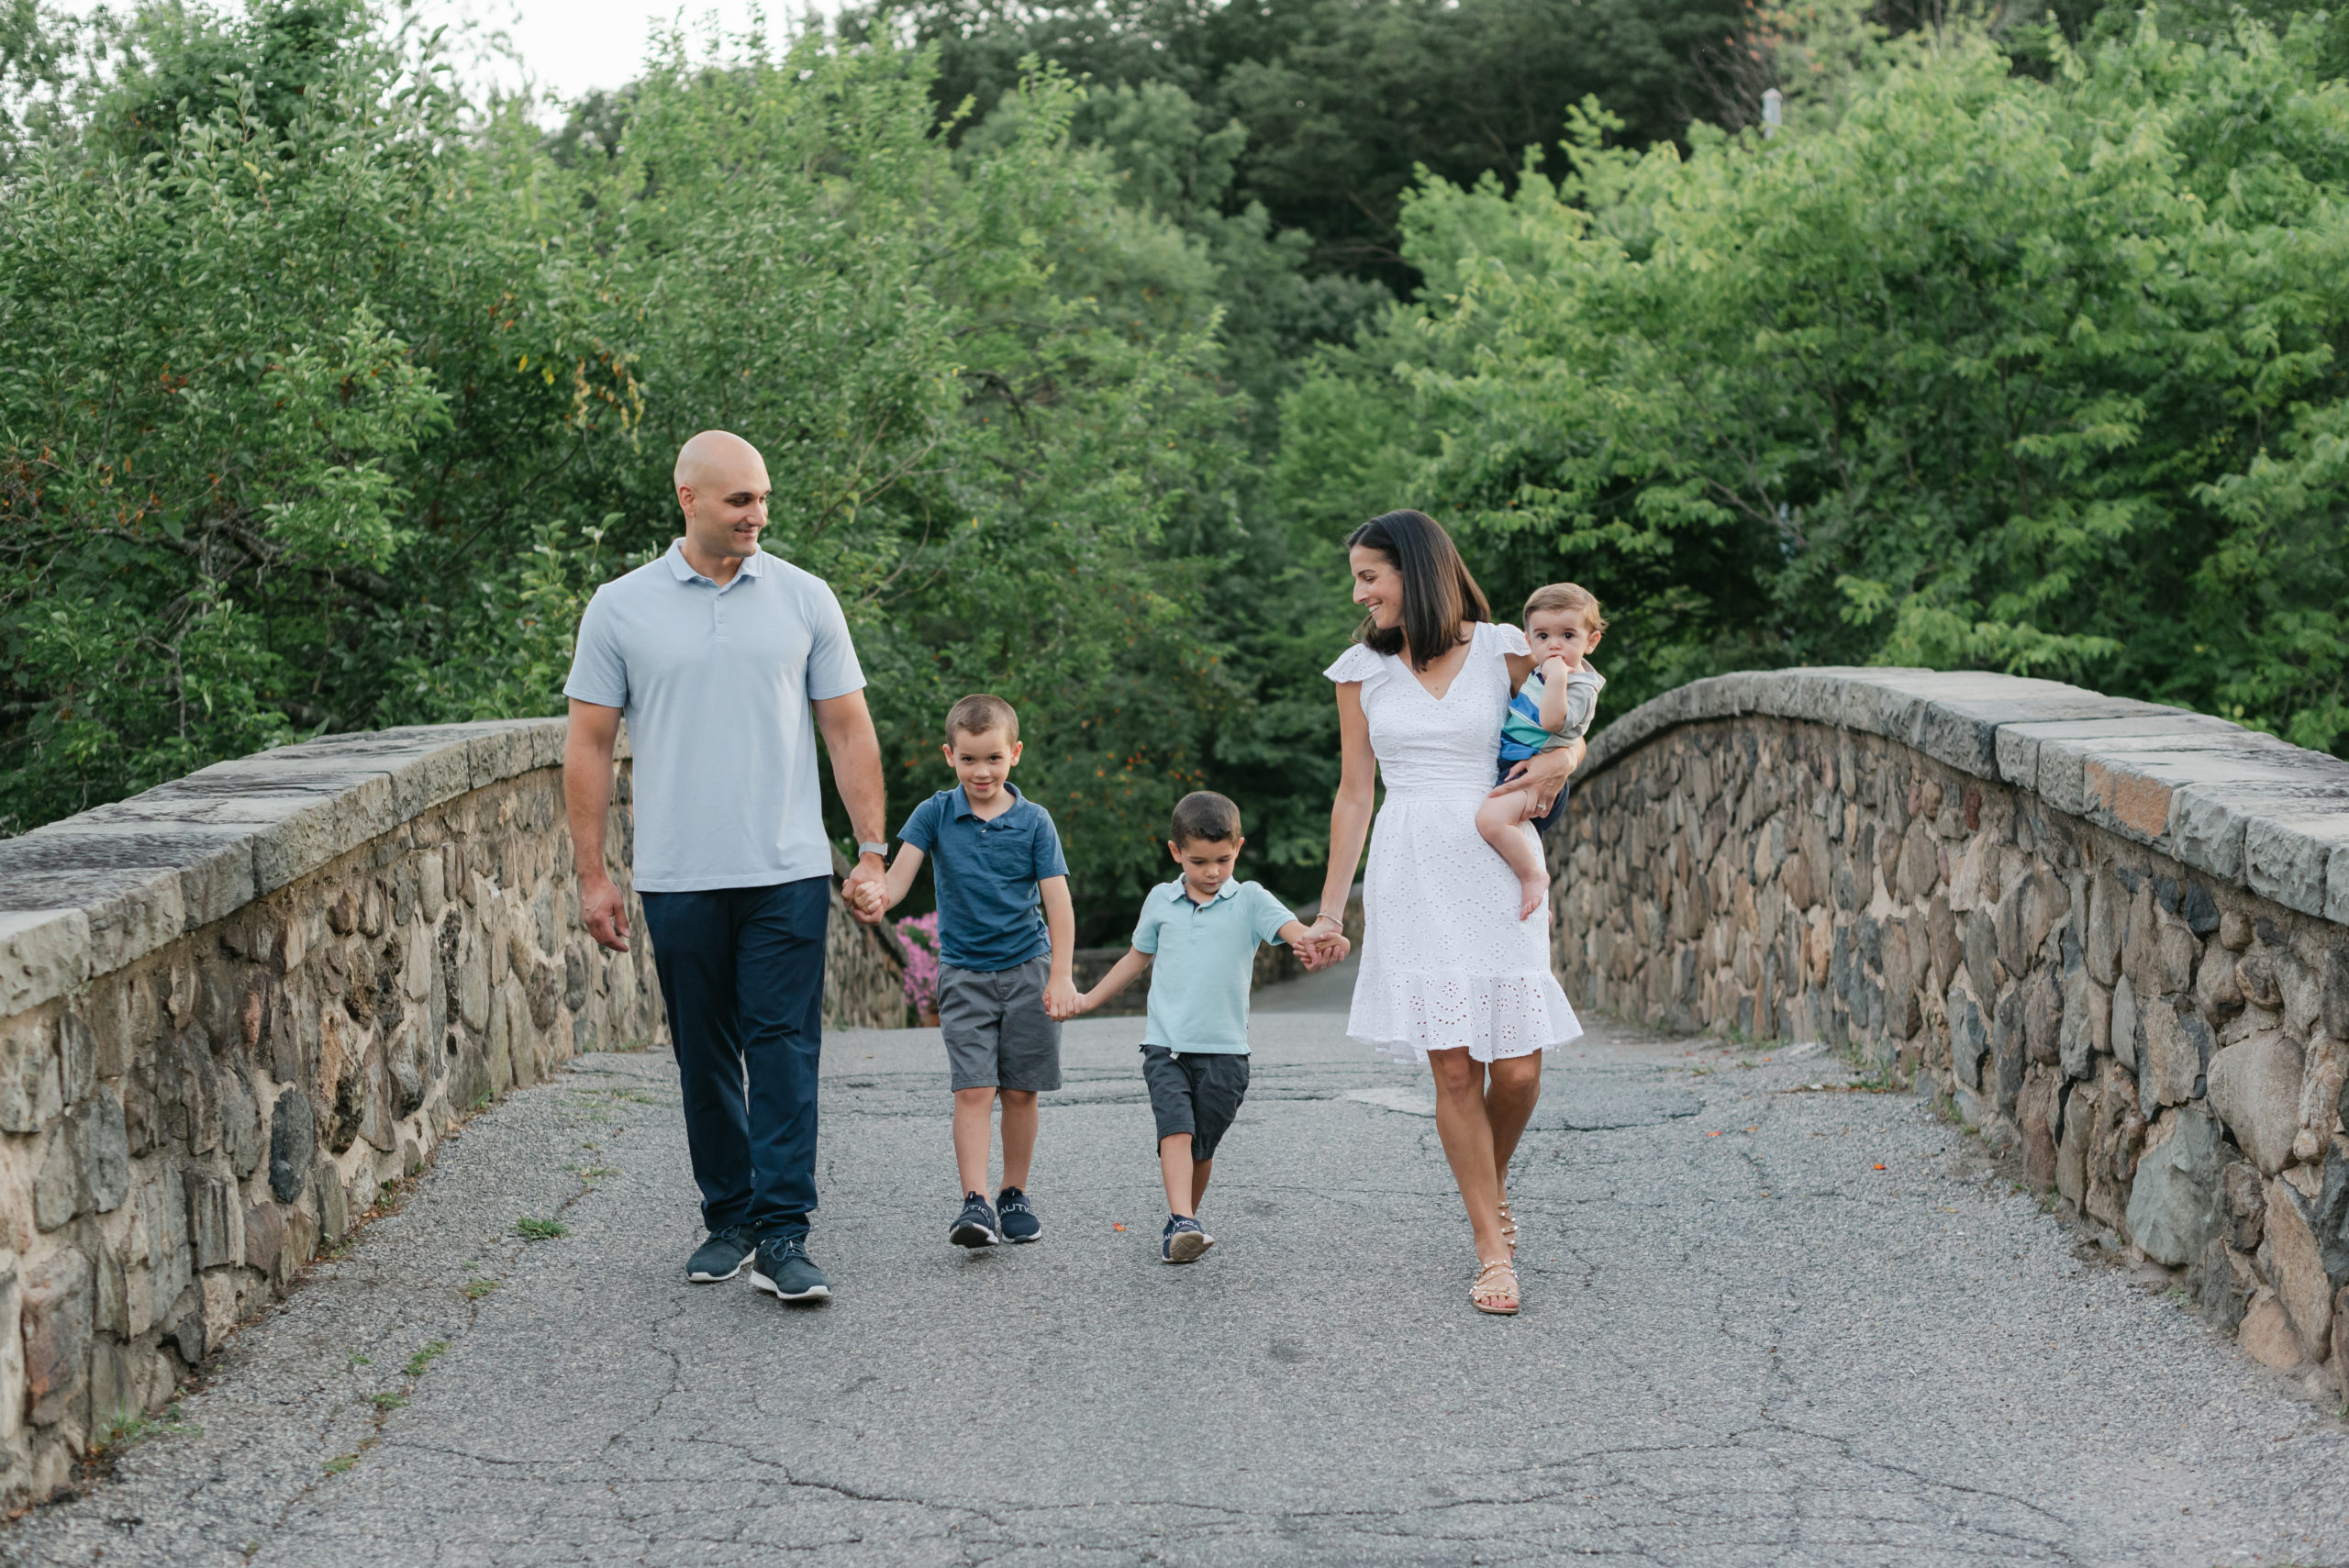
x: 2114, y: 934
x: 234, y: 1007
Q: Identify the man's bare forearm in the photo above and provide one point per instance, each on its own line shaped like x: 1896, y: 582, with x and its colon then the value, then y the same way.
x: 855, y: 748
x: 587, y: 748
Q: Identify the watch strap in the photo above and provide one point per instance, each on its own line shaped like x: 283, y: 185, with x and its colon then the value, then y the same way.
x: 870, y: 847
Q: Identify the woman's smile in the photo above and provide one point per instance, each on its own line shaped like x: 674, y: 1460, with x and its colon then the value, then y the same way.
x: 1378, y: 588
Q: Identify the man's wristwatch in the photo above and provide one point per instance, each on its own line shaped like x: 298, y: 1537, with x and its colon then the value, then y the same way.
x: 868, y: 848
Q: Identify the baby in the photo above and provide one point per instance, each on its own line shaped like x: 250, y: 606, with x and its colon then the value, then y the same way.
x: 1554, y: 707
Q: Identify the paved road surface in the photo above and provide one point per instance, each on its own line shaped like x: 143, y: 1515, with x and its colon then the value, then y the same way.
x: 1742, y: 1344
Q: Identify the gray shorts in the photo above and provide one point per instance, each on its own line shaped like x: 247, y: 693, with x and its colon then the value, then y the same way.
x: 996, y: 1034
x: 1197, y: 1092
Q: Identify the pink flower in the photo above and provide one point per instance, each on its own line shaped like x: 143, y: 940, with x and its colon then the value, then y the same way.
x: 920, y: 936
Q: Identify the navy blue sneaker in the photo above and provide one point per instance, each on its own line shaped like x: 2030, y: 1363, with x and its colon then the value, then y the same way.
x: 1182, y: 1241
x: 722, y: 1256
x: 976, y: 1227
x: 784, y: 1272
x: 1016, y: 1217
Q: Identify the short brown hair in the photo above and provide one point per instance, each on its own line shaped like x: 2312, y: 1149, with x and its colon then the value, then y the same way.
x: 980, y: 713
x: 1203, y: 813
x: 1569, y: 596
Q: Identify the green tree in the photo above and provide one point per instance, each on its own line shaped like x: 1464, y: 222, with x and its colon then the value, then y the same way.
x: 1990, y: 373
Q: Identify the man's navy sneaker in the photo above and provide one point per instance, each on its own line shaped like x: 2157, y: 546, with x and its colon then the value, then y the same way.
x: 1017, y: 1217
x: 1182, y: 1241
x: 783, y: 1271
x: 977, y: 1225
x: 722, y: 1256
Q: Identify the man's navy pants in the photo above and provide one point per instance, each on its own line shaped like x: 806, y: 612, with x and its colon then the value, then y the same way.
x: 742, y: 974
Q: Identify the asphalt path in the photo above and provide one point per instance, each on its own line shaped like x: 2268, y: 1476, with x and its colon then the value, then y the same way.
x: 1770, y: 1319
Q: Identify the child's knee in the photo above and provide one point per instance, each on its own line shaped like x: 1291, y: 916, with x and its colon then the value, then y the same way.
x: 1017, y: 1099
x: 980, y: 1097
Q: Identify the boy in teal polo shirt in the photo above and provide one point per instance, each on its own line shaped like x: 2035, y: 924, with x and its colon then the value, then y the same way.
x: 1202, y: 931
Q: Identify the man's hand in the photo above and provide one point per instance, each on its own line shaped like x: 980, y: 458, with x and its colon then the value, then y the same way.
x: 866, y: 890
x: 1061, y: 1000
x: 605, y: 912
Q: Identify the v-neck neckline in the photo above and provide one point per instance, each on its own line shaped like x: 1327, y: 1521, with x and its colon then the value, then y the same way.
x: 1448, y: 685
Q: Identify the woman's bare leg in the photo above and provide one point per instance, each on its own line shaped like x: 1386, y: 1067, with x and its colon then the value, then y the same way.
x: 1509, y: 1103
x: 1466, y: 1130
x: 1510, y: 1099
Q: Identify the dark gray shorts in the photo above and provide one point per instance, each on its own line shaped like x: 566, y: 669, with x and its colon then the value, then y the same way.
x: 996, y: 1034
x: 1197, y: 1092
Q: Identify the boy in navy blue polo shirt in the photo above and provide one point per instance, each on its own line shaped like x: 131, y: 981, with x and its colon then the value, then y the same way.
x: 1007, y: 935
x: 1202, y: 931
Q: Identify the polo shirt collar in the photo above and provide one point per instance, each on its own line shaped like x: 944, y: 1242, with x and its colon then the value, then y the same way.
x: 962, y: 801
x: 683, y: 571
x: 1181, y: 889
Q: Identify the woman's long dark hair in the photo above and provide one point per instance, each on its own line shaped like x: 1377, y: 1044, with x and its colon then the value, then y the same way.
x: 1438, y: 591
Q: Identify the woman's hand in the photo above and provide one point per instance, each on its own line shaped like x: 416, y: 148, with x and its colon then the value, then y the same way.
x: 1543, y: 776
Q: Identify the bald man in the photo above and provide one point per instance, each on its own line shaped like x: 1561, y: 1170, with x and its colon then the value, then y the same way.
x: 724, y: 660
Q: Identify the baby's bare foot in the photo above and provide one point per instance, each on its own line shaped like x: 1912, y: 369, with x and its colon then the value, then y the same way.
x: 1532, y: 889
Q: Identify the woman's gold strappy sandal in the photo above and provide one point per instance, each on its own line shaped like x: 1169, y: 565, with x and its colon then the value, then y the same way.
x: 1495, y: 1290
x: 1508, y: 1228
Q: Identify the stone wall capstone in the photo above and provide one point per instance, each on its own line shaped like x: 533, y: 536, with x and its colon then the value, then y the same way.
x: 235, y: 1007
x: 2113, y: 936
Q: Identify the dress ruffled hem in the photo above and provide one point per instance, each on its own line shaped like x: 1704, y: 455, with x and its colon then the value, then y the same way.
x: 1407, y: 1014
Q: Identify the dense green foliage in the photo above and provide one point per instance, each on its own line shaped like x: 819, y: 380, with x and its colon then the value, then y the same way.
x: 332, y: 391
x: 328, y: 408
x: 1344, y: 102
x: 1997, y: 372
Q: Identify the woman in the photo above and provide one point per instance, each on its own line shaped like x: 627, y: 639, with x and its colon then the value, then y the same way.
x: 1450, y: 976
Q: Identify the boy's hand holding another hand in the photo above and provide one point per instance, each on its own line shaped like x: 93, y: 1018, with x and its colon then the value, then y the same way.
x: 1321, y: 946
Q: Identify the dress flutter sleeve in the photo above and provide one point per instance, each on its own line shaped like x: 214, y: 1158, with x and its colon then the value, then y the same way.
x: 1512, y: 640
x: 1356, y: 664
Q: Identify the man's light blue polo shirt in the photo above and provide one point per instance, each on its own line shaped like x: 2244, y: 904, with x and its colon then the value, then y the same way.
x: 715, y: 683
x: 985, y: 871
x: 1203, y: 957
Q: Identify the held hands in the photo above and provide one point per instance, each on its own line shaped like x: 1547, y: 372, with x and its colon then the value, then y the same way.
x: 1063, y: 1001
x: 1323, y: 944
x: 1319, y: 952
x: 866, y: 893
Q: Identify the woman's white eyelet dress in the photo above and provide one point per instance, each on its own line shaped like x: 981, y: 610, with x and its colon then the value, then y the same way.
x: 1446, y: 965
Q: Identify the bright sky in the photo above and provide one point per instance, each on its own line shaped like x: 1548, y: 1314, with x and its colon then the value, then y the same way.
x: 573, y: 46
